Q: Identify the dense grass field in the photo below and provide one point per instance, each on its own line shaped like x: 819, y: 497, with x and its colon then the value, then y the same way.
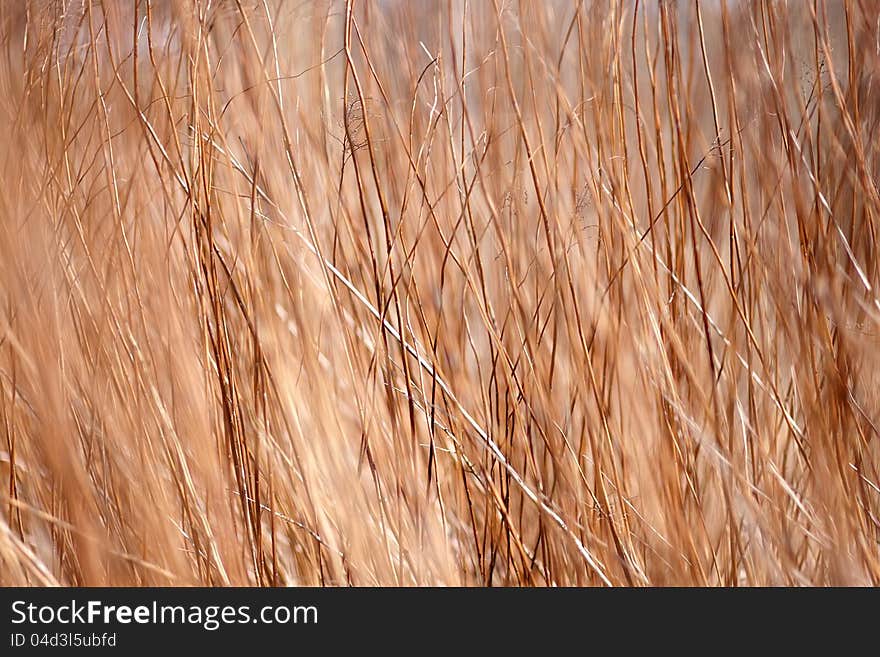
x: 466, y: 292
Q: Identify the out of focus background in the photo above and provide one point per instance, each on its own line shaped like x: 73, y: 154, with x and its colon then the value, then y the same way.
x: 466, y: 292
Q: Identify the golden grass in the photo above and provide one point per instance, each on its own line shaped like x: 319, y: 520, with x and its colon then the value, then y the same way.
x: 478, y: 292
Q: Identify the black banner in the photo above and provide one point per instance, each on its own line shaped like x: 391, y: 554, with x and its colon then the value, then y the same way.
x: 406, y: 621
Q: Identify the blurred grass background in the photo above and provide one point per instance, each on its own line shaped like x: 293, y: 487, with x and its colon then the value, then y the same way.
x: 439, y: 293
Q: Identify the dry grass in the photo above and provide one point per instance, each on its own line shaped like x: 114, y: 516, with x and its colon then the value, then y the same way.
x: 479, y: 292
